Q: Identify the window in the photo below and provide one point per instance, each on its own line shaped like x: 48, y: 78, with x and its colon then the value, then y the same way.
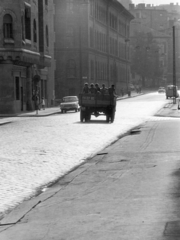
x: 71, y: 69
x: 47, y: 36
x: 8, y: 26
x: 34, y: 31
x: 23, y: 27
x: 17, y: 88
x: 27, y: 22
x: 46, y: 2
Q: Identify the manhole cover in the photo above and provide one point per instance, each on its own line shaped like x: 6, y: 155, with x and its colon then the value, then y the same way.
x: 172, y: 228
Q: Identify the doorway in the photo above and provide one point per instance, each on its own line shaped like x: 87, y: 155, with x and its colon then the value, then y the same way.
x: 22, y: 103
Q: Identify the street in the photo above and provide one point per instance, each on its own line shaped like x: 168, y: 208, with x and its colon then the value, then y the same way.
x: 37, y: 151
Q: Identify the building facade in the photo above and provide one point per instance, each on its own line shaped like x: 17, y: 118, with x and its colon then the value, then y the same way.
x: 91, y: 44
x: 151, y: 20
x: 25, y: 55
x: 159, y: 20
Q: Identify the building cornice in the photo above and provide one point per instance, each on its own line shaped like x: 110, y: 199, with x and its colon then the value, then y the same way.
x: 24, y: 57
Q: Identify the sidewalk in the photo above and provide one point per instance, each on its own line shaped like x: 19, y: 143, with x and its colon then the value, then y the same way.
x: 170, y: 110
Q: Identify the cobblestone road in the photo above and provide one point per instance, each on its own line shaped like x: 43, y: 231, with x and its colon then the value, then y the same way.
x: 36, y: 151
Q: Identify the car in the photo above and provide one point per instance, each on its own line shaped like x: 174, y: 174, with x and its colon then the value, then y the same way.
x: 69, y: 103
x: 170, y: 89
x: 161, y: 90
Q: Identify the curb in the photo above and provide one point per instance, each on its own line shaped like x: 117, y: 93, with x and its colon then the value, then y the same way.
x: 3, y: 123
x: 39, y: 115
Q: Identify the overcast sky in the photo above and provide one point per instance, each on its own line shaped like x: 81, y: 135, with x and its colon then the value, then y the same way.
x: 156, y: 2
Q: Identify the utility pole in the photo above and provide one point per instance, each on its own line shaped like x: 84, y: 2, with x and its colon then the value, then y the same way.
x: 174, y: 67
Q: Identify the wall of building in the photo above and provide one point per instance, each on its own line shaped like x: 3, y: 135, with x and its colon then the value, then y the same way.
x: 21, y: 57
x: 97, y: 50
x: 149, y: 19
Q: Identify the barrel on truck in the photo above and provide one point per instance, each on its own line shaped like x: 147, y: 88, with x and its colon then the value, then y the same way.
x: 97, y: 105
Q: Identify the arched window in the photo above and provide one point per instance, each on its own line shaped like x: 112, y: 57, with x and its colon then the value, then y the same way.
x: 8, y: 26
x: 71, y: 69
x: 34, y: 31
x: 47, y: 36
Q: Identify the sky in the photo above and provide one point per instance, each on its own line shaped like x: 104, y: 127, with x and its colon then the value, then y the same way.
x: 156, y: 2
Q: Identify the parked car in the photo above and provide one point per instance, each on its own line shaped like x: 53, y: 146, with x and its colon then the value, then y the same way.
x: 170, y: 91
x: 69, y: 103
x: 161, y: 90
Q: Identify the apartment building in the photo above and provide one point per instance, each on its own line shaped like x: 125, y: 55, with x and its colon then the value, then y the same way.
x: 25, y: 53
x: 149, y: 19
x: 91, y: 44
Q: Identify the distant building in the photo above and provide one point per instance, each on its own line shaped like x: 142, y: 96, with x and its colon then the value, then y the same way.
x: 92, y: 44
x: 25, y: 53
x: 155, y: 21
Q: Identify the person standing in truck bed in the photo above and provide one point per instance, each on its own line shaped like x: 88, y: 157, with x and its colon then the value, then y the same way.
x: 86, y: 88
x: 112, y: 91
x: 92, y: 89
x: 104, y: 90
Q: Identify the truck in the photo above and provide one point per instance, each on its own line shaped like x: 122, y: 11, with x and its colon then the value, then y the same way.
x: 97, y: 105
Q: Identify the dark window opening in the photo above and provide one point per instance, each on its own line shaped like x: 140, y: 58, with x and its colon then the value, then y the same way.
x: 46, y: 2
x: 17, y: 88
x: 28, y: 23
x: 34, y: 31
x: 8, y: 26
x: 23, y: 27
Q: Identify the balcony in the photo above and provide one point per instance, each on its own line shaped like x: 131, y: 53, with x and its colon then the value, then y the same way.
x: 24, y: 57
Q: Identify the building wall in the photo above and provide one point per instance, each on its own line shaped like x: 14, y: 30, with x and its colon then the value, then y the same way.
x: 87, y: 48
x: 149, y: 19
x: 20, y: 55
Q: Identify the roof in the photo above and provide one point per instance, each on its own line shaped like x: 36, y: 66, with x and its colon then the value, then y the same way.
x: 124, y: 10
